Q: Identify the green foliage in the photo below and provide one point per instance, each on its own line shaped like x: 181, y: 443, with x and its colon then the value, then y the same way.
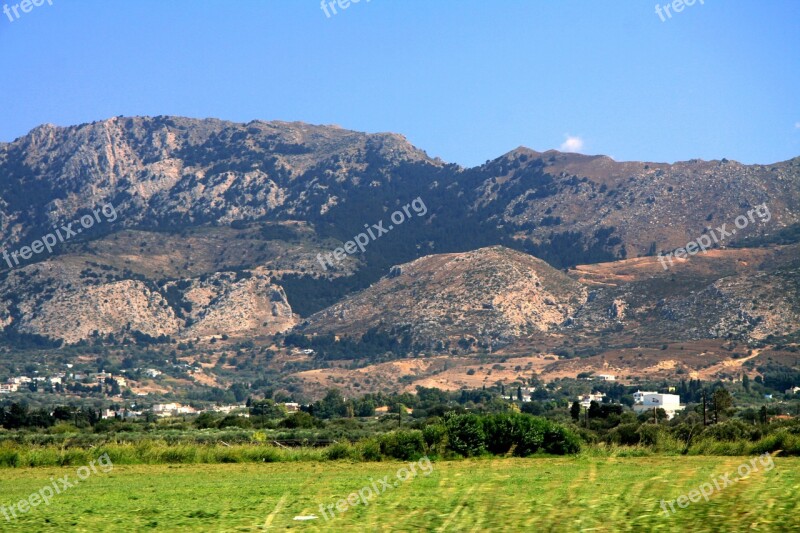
x: 267, y: 409
x: 299, y: 419
x: 501, y: 433
x: 406, y: 445
x: 372, y: 345
x: 370, y: 449
x: 435, y: 436
x: 575, y: 411
x: 465, y: 435
x: 339, y: 451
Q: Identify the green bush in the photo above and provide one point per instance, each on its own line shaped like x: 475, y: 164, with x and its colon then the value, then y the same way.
x: 262, y: 454
x: 625, y: 434
x: 465, y: 435
x: 435, y: 436
x: 370, y: 450
x: 406, y: 445
x: 730, y: 430
x: 531, y: 436
x: 780, y: 440
x: 9, y: 456
x: 339, y: 451
x: 235, y: 421
x: 559, y: 440
x: 299, y: 419
x: 503, y: 431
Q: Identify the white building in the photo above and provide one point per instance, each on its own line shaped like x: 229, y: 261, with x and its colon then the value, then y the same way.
x: 606, y: 377
x: 165, y: 409
x: 638, y: 396
x: 670, y: 403
x: 7, y: 388
x: 587, y: 399
x: 172, y: 409
x: 226, y: 409
x: 100, y: 377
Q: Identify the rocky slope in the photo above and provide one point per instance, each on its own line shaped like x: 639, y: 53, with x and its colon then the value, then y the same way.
x: 199, y: 203
x: 173, y: 171
x: 487, y: 296
x: 651, y: 206
x: 62, y: 301
x: 496, y: 297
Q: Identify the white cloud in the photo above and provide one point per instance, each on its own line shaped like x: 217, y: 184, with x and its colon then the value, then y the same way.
x: 797, y: 125
x: 572, y: 144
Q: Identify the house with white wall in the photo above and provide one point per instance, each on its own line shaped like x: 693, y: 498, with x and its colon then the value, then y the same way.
x: 670, y: 403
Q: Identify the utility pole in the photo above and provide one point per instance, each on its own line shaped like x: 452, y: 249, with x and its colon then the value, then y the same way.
x: 705, y: 422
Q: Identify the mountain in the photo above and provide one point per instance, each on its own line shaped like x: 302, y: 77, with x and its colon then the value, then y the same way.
x: 483, y: 297
x: 191, y: 232
x: 167, y: 172
x: 58, y: 300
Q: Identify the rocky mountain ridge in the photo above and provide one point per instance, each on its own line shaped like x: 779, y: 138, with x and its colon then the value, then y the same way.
x: 219, y: 224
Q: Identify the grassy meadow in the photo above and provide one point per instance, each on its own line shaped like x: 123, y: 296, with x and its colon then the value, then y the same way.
x: 579, y: 493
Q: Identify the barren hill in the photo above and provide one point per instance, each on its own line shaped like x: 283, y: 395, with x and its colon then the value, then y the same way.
x: 484, y: 297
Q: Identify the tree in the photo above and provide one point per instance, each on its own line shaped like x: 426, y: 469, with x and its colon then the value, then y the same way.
x: 575, y: 411
x: 267, y: 409
x: 746, y: 382
x: 365, y: 407
x: 332, y: 405
x: 722, y: 401
x: 519, y: 393
x: 594, y: 410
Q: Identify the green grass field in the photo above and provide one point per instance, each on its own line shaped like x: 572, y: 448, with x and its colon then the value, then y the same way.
x: 541, y: 494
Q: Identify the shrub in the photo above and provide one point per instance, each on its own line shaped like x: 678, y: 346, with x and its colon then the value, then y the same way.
x: 559, y: 440
x: 531, y: 438
x: 731, y: 430
x: 465, y: 434
x: 235, y: 421
x: 338, y: 451
x: 370, y: 450
x: 625, y: 434
x: 300, y: 419
x: 435, y: 436
x: 9, y: 456
x: 502, y: 432
x: 404, y: 445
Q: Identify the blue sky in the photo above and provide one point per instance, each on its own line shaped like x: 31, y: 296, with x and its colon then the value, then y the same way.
x: 464, y: 80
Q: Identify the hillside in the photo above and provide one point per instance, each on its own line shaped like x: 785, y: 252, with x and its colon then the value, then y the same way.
x: 484, y: 298
x: 218, y: 229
